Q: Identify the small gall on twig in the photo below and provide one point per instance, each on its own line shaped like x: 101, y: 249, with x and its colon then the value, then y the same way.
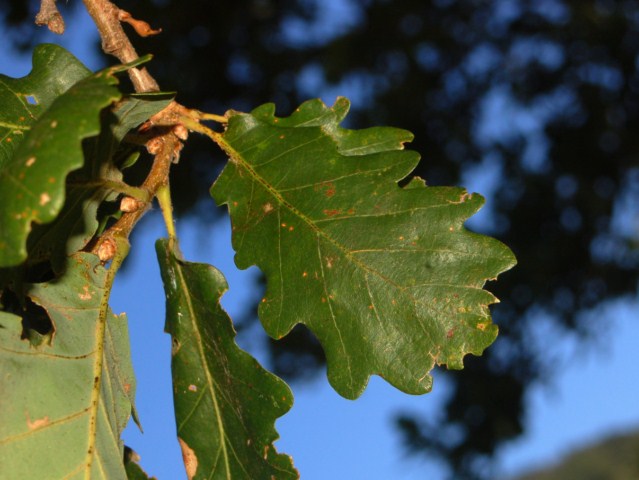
x: 50, y: 16
x: 141, y: 27
x: 154, y: 145
x: 107, y: 250
x: 130, y: 204
x: 181, y: 131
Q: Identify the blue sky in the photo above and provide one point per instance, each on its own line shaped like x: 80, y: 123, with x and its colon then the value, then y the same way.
x: 593, y: 394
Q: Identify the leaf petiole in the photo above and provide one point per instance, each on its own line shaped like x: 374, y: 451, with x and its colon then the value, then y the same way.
x: 196, y: 126
x: 164, y: 199
x: 210, y: 116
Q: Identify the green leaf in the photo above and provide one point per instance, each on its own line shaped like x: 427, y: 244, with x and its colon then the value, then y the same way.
x: 386, y: 277
x: 45, y: 140
x: 62, y: 415
x: 226, y: 404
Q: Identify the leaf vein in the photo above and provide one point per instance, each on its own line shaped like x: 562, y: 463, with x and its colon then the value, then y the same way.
x: 330, y: 307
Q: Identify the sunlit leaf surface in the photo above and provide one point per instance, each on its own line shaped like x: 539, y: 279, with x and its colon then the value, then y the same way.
x: 386, y: 277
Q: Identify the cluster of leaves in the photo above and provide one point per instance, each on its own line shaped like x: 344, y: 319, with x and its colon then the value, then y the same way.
x: 386, y: 276
x: 540, y: 97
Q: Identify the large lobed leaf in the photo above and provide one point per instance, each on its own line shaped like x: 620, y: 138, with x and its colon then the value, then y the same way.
x: 386, y: 277
x: 43, y: 120
x: 54, y: 422
x: 226, y: 404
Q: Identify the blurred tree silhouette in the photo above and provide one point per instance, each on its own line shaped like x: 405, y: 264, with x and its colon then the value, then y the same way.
x: 539, y: 98
x: 613, y: 458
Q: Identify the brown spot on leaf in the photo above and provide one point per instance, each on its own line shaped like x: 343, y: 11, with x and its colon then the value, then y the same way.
x: 86, y: 295
x: 30, y: 161
x: 192, y: 388
x: 37, y: 423
x: 464, y: 196
x: 327, y: 188
x: 267, y: 207
x: 331, y: 212
x: 189, y: 458
x: 44, y: 199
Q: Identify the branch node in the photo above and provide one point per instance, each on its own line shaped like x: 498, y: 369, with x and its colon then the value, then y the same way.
x: 50, y: 16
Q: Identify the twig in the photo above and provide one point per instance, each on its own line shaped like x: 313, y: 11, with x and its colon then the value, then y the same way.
x: 166, y: 145
x: 115, y: 42
x: 168, y: 148
x: 50, y: 16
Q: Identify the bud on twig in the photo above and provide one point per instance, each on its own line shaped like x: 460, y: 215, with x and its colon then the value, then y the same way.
x: 130, y: 204
x: 107, y: 250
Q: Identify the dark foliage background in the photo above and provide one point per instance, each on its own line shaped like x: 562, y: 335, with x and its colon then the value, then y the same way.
x: 538, y: 97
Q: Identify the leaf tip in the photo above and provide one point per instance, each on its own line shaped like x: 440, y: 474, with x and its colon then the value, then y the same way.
x: 341, y: 107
